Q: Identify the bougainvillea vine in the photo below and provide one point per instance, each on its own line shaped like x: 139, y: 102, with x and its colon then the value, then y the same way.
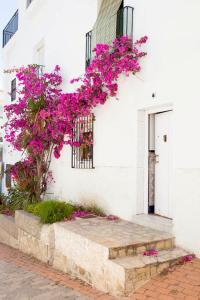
x: 40, y: 123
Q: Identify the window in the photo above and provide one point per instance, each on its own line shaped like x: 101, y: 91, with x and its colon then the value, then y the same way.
x: 13, y: 89
x: 38, y: 56
x: 114, y: 20
x: 10, y: 29
x: 104, y: 30
x: 28, y: 3
x: 82, y: 150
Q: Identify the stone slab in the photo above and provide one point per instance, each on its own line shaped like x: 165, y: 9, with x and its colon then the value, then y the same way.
x: 31, y: 245
x: 8, y: 239
x: 28, y: 223
x: 115, y: 234
x: 142, y: 261
x: 7, y: 223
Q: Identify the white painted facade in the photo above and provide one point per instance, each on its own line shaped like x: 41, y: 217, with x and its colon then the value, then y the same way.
x: 53, y: 32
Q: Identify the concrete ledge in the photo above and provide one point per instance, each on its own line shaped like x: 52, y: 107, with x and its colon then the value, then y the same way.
x: 33, y: 246
x: 7, y: 223
x: 35, y: 238
x: 8, y: 231
x: 28, y: 223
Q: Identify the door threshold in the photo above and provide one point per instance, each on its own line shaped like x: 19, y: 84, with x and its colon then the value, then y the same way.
x: 153, y: 214
x: 154, y: 221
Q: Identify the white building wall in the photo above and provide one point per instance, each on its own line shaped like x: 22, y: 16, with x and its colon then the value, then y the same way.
x: 118, y: 182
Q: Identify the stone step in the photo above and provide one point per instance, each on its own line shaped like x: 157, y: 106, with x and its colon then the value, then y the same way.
x: 119, y: 238
x: 137, y: 270
x: 141, y: 247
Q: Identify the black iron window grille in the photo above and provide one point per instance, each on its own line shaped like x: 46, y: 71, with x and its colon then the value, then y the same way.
x: 88, y: 54
x: 82, y: 149
x: 10, y: 28
x: 13, y: 89
x: 120, y: 24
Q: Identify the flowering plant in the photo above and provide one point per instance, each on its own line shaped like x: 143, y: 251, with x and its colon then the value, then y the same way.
x: 41, y: 122
x: 31, y: 127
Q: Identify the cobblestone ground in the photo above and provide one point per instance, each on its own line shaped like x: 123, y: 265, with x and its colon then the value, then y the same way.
x: 17, y: 283
x: 24, y: 278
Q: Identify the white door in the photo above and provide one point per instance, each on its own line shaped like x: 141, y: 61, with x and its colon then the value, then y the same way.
x: 163, y: 166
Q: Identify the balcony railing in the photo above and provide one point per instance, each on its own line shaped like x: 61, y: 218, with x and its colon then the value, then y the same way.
x: 10, y: 29
x: 88, y: 52
x: 119, y: 25
x: 125, y: 22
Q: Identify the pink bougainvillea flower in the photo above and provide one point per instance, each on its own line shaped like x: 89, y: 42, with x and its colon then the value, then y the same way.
x: 187, y: 258
x: 81, y: 214
x: 112, y: 218
x: 151, y: 252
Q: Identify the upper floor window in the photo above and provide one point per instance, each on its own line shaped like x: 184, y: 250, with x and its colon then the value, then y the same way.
x: 13, y: 90
x: 39, y: 56
x: 28, y: 3
x: 114, y: 20
x: 82, y: 150
x: 10, y: 28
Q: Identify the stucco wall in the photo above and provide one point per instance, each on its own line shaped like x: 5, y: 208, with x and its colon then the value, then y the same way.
x: 170, y: 71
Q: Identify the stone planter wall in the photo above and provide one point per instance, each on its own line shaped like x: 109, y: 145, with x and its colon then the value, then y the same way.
x: 63, y: 249
x: 8, y: 231
x: 26, y: 233
x: 106, y: 255
x: 34, y: 238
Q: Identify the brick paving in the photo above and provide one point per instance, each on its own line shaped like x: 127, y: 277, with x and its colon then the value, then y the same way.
x: 183, y: 284
x: 24, y: 278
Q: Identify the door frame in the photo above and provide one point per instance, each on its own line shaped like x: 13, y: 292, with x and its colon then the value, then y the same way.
x: 158, y: 109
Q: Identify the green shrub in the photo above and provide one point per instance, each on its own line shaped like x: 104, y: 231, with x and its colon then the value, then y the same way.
x: 33, y: 209
x: 51, y: 211
x: 2, y: 198
x: 1, y: 207
x: 16, y: 199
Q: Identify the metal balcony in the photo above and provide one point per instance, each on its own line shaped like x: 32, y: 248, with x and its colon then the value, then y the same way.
x: 10, y: 28
x: 125, y: 22
x: 88, y: 52
x: 121, y: 24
